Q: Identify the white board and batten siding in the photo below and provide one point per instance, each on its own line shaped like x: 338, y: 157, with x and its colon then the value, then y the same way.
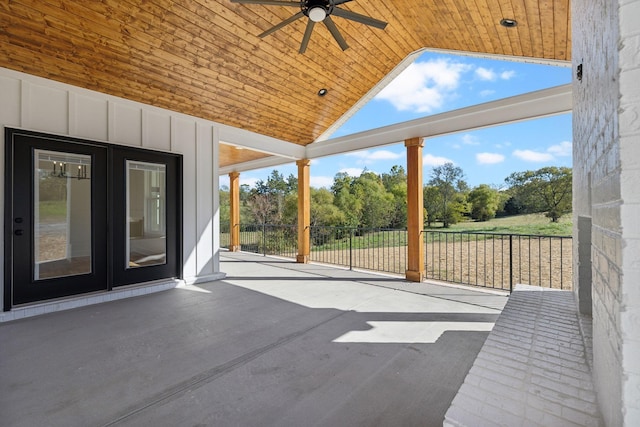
x: 37, y: 104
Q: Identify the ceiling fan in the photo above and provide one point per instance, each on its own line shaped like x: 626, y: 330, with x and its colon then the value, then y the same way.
x: 317, y: 11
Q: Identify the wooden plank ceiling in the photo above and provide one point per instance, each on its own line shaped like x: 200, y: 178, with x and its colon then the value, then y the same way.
x: 204, y: 57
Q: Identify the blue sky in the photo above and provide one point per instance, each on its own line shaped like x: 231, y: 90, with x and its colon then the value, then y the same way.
x: 436, y: 83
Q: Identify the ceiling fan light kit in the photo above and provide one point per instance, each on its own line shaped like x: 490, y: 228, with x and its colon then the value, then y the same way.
x: 317, y: 14
x: 317, y: 11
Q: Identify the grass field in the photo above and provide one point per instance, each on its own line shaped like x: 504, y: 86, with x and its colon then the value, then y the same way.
x: 535, y: 224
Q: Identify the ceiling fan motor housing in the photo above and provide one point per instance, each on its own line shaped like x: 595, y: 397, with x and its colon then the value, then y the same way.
x: 317, y: 10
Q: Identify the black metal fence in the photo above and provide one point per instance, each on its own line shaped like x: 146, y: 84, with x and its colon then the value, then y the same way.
x: 480, y: 259
x: 265, y: 239
x: 499, y: 260
x: 376, y: 249
x: 281, y: 240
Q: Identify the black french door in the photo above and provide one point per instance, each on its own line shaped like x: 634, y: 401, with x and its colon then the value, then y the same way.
x: 82, y: 217
x: 146, y: 212
x: 57, y: 216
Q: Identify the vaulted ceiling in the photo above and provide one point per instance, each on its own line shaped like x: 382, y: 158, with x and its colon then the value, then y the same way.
x: 204, y: 57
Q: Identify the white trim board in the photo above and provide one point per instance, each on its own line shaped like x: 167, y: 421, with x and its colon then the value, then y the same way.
x: 529, y: 106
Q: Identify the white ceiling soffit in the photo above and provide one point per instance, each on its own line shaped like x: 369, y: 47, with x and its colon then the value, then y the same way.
x: 534, y: 105
x: 266, y: 162
x: 265, y: 144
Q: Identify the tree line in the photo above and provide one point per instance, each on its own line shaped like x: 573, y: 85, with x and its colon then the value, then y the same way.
x: 380, y: 200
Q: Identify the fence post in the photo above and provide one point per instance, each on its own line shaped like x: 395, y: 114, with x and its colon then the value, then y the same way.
x: 350, y: 248
x: 510, y: 263
x: 264, y: 239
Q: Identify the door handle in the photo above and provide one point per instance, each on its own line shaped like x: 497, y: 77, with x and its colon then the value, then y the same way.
x: 18, y: 232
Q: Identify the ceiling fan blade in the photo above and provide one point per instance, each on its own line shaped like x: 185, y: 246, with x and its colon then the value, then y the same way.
x: 366, y: 20
x: 268, y: 2
x: 337, y: 2
x: 335, y: 32
x: 307, y: 36
x: 282, y: 24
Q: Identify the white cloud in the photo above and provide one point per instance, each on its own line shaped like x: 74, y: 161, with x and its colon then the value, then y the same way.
x: 423, y: 86
x: 533, y: 156
x: 355, y: 172
x: 431, y: 160
x: 320, y: 181
x: 489, y: 158
x: 468, y: 139
x: 506, y: 75
x: 564, y: 149
x: 367, y: 156
x: 504, y: 144
x: 489, y: 75
x: 486, y: 92
x: 485, y: 74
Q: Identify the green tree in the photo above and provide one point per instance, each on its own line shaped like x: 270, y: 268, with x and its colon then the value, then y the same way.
x: 432, y: 204
x: 395, y: 182
x: 290, y: 210
x: 484, y: 202
x: 292, y: 184
x: 225, y: 206
x: 546, y: 190
x: 377, y: 202
x: 456, y: 209
x: 225, y: 209
x: 323, y: 211
x: 266, y: 200
x: 449, y: 180
x: 345, y: 199
x: 245, y: 212
x: 513, y: 206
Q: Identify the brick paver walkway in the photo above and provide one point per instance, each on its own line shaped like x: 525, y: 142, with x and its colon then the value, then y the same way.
x: 532, y: 370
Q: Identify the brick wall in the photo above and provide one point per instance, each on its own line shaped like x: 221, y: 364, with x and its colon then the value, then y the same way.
x: 606, y: 132
x: 629, y: 122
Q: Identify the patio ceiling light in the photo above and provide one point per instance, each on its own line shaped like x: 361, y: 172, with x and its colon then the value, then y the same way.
x: 508, y: 23
x: 322, y: 92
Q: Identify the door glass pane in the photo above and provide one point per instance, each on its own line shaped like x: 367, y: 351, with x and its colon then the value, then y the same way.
x: 62, y: 214
x: 146, y: 214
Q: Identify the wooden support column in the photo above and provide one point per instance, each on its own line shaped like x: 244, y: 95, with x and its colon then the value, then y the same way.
x: 234, y: 214
x: 415, y: 211
x: 304, y: 211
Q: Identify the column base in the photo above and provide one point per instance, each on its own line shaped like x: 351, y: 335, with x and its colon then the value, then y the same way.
x: 302, y: 259
x: 234, y: 248
x: 414, y: 275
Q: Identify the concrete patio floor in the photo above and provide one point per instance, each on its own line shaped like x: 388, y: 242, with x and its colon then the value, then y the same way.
x: 274, y: 344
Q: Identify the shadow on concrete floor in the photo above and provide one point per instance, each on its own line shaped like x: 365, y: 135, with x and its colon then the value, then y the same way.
x: 246, y: 352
